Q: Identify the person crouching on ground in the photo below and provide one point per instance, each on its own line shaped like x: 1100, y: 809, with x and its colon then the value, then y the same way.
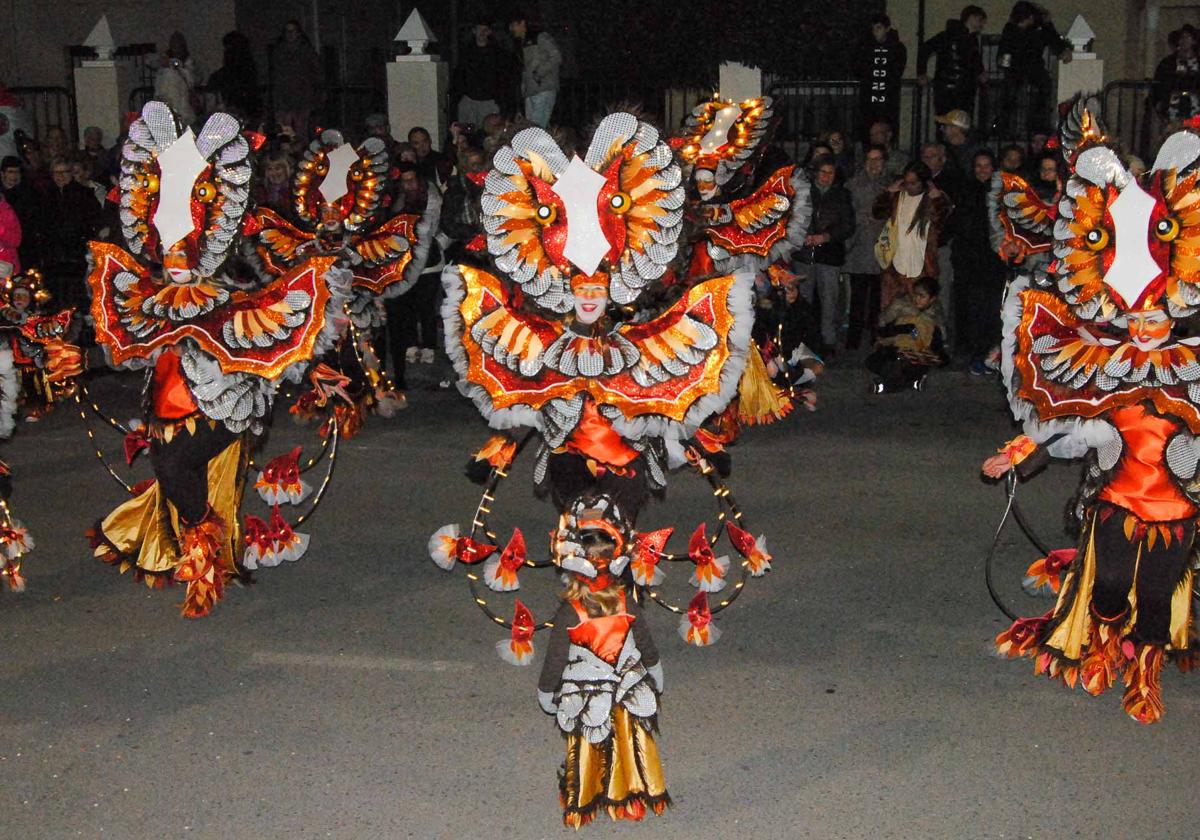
x: 911, y: 340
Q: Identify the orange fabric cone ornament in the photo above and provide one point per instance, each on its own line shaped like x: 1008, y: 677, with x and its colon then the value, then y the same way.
x: 696, y: 628
x: 500, y: 573
x: 518, y: 648
x: 709, y: 575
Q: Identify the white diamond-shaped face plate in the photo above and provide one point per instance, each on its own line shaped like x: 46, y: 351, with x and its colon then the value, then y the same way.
x: 718, y: 135
x: 579, y: 188
x: 340, y: 160
x: 1133, y: 267
x: 179, y: 167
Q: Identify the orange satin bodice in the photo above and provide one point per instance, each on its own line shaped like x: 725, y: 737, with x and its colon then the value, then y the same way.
x: 595, y: 438
x: 603, y: 635
x: 170, y: 398
x: 1142, y: 483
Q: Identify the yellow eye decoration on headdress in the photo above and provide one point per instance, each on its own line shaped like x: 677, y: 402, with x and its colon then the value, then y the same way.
x: 205, y: 192
x: 1096, y: 239
x: 620, y: 203
x: 545, y: 214
x: 150, y: 182
x: 1166, y: 229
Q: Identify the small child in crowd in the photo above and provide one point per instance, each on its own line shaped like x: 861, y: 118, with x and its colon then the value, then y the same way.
x: 911, y: 340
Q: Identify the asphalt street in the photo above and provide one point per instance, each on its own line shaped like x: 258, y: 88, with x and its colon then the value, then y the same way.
x: 355, y: 693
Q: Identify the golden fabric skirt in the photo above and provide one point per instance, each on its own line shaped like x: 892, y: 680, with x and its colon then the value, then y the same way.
x: 622, y: 775
x: 143, y: 533
x: 760, y: 401
x: 1070, y: 638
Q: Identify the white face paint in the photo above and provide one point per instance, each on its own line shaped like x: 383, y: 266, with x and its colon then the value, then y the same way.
x: 591, y: 302
x: 179, y: 167
x: 1133, y: 267
x: 706, y: 182
x: 579, y: 188
x: 718, y: 135
x: 333, y: 187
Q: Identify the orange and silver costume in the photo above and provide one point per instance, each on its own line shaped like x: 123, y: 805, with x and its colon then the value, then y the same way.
x: 214, y: 351
x: 1094, y: 370
x: 747, y: 216
x: 558, y: 341
x: 338, y: 196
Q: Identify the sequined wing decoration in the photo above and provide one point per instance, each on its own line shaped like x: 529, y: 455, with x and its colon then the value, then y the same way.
x: 262, y: 332
x: 1018, y: 217
x: 385, y: 253
x: 280, y: 245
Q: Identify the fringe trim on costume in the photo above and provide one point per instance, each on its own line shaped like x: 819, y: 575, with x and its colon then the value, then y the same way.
x: 105, y: 551
x: 633, y: 807
x: 1143, y: 695
x: 199, y: 564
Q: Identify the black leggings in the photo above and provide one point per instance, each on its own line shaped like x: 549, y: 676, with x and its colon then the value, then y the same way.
x: 181, y: 467
x: 1159, y: 573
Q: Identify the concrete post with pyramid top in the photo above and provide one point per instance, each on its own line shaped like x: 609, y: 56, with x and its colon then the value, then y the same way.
x: 1085, y: 72
x: 102, y: 86
x: 739, y: 82
x: 417, y: 84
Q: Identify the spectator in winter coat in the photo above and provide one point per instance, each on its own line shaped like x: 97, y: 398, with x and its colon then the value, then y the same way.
x: 10, y: 240
x: 959, y: 62
x: 1022, y: 56
x: 978, y: 270
x: 462, y: 216
x: 483, y: 77
x: 861, y: 264
x: 540, y: 60
x: 175, y: 81
x: 881, y: 63
x: 435, y: 167
x: 824, y: 249
x: 915, y: 212
x: 72, y: 217
x: 27, y: 203
x: 274, y: 189
x: 1176, y: 92
x: 297, y: 83
x: 236, y: 81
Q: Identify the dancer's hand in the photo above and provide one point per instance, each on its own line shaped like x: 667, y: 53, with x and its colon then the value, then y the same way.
x: 997, y: 465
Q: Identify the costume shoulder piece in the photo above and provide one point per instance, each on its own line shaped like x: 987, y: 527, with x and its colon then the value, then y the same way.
x: 673, y: 370
x: 1096, y: 331
x: 1019, y: 217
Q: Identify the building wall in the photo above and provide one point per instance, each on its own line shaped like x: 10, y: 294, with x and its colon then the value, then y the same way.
x: 34, y: 34
x: 1117, y: 24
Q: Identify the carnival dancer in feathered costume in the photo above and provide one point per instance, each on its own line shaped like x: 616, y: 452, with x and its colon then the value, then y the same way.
x: 1094, y: 368
x: 215, y: 354
x: 36, y: 341
x: 338, y: 195
x: 616, y: 395
x: 31, y: 334
x: 748, y: 215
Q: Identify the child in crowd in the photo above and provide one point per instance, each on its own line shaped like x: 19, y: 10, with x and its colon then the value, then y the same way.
x: 911, y: 340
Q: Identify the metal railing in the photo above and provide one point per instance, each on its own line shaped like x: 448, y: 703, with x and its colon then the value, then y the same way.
x: 48, y: 106
x: 1130, y: 117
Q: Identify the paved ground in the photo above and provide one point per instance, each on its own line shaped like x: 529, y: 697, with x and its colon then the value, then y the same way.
x: 355, y: 694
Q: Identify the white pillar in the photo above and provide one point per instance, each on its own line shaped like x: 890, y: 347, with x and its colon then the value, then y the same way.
x: 417, y: 84
x: 739, y: 82
x: 417, y: 87
x: 101, y: 93
x: 1085, y: 73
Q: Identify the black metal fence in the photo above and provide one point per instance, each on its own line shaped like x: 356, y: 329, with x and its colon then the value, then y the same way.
x: 48, y: 106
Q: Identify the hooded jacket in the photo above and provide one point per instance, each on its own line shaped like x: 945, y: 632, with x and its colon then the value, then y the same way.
x: 541, y: 59
x: 959, y: 60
